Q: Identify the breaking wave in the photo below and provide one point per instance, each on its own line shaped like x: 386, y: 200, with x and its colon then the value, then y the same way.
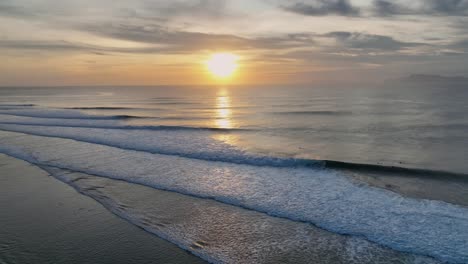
x: 318, y: 196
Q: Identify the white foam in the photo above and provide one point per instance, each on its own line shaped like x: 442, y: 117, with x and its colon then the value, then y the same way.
x: 13, y: 119
x: 15, y: 106
x: 199, y: 144
x: 221, y: 233
x: 48, y: 113
x: 318, y: 196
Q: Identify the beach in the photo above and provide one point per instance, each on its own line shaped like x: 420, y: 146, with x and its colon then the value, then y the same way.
x: 46, y: 221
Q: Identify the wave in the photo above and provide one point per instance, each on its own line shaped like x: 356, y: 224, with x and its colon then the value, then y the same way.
x: 15, y: 106
x: 313, y: 113
x: 166, y: 98
x: 219, y: 236
x: 64, y: 115
x: 103, y: 124
x: 101, y: 108
x: 176, y: 103
x: 318, y: 196
x: 221, y: 107
x: 173, y: 140
x: 73, y: 115
x: 129, y: 117
x: 189, y: 118
x: 111, y: 117
x: 397, y: 170
x: 18, y: 105
x: 168, y: 140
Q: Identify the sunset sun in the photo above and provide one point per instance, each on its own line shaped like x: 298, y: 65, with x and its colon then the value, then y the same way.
x: 222, y: 65
x: 234, y: 131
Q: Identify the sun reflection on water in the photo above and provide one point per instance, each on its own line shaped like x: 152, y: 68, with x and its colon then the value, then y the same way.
x: 223, y: 118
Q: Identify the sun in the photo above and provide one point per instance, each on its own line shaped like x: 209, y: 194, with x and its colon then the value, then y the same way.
x: 222, y: 65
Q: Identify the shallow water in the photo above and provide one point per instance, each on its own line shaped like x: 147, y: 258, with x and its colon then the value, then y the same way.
x: 45, y: 221
x: 384, y: 166
x: 228, y: 234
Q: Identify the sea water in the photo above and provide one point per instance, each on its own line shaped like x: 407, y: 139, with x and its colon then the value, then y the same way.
x: 383, y: 166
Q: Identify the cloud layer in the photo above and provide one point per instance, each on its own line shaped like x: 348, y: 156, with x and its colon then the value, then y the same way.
x: 379, y: 8
x: 296, y: 39
x: 425, y: 8
x: 323, y: 7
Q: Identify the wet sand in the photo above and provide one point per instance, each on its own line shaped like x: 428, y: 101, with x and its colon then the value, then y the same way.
x: 43, y: 220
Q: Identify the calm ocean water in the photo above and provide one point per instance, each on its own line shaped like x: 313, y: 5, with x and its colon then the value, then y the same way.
x: 424, y: 128
x: 384, y: 165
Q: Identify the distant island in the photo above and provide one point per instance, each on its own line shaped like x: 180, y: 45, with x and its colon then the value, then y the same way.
x: 435, y: 78
x: 429, y: 79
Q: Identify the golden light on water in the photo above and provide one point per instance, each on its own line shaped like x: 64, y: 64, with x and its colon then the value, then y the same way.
x: 224, y: 117
x: 222, y: 65
x: 223, y: 110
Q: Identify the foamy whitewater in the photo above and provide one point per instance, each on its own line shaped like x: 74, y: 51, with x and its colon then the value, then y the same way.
x: 225, y: 164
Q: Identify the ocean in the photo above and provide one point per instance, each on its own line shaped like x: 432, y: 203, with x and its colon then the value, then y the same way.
x: 261, y: 174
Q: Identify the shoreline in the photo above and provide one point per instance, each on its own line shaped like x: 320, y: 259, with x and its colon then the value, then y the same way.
x: 45, y: 220
x: 187, y: 230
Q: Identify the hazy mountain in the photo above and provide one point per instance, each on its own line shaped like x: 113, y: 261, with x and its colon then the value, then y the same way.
x: 430, y: 80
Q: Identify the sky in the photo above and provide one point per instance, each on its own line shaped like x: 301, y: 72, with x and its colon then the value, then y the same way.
x: 144, y: 42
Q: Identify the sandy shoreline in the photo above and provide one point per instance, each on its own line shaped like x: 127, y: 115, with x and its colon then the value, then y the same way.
x: 46, y: 221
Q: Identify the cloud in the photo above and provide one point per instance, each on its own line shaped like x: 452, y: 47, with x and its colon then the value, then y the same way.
x: 163, y: 41
x: 323, y: 8
x: 387, y: 8
x: 44, y: 10
x: 387, y: 63
x: 460, y: 46
x: 424, y: 8
x: 356, y: 40
x: 448, y: 7
x: 185, y: 41
x: 213, y: 8
x: 66, y: 46
x: 379, y: 8
x: 8, y: 9
x: 158, y: 34
x: 165, y: 10
x: 146, y: 9
x: 40, y: 45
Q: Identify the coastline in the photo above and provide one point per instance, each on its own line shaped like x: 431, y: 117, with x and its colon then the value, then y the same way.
x: 213, y: 229
x: 44, y: 220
